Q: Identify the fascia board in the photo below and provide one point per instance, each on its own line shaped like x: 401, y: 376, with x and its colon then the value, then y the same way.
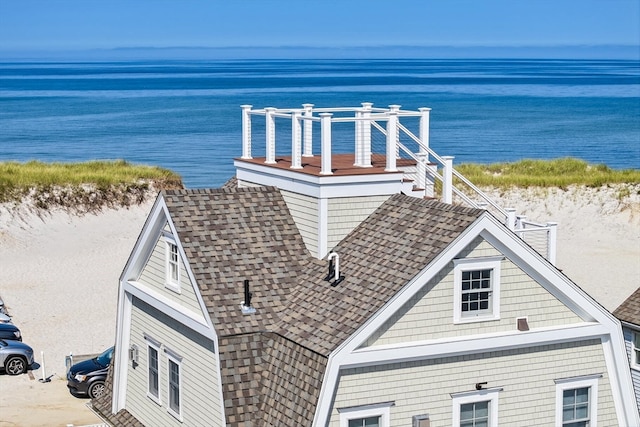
x: 546, y: 274
x: 324, y: 186
x: 143, y: 247
x: 200, y: 324
x: 472, y: 344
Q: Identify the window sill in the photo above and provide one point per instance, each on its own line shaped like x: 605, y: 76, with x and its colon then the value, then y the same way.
x: 172, y: 287
x: 155, y: 399
x: 475, y: 319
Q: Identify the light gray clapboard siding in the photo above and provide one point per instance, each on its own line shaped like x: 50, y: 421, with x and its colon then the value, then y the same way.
x: 346, y: 213
x: 635, y: 374
x: 429, y: 314
x: 526, y: 376
x: 304, y: 210
x: 199, y: 371
x: 154, y: 275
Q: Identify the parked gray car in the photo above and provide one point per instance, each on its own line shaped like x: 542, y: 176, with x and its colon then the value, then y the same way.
x: 15, y: 357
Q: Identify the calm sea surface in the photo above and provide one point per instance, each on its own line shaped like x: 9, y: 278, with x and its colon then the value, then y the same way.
x: 186, y: 116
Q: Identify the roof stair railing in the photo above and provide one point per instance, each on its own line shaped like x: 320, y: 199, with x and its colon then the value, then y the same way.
x: 429, y: 166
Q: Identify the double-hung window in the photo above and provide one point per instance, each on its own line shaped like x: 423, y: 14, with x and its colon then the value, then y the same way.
x: 476, y: 408
x: 576, y: 401
x: 154, y: 378
x: 174, y: 368
x: 375, y: 415
x: 635, y: 350
x: 476, y: 289
x: 365, y: 422
x: 474, y: 414
x: 172, y: 264
x: 153, y: 369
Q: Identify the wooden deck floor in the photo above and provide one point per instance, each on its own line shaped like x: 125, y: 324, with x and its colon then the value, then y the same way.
x: 341, y: 164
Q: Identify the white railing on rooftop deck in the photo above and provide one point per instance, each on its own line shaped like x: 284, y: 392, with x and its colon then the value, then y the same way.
x: 430, y: 167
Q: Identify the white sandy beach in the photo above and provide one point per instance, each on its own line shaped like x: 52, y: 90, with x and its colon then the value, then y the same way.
x: 59, y: 272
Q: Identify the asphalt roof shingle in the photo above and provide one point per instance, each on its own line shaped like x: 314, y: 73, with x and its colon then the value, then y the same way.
x: 629, y: 310
x: 273, y: 361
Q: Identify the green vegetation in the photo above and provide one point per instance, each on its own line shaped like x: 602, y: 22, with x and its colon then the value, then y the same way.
x: 546, y: 173
x: 90, y: 184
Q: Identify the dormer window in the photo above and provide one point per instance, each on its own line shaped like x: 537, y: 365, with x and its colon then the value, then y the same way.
x: 476, y: 289
x: 172, y: 265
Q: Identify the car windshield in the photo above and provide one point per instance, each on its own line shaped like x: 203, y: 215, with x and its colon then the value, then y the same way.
x: 105, y: 358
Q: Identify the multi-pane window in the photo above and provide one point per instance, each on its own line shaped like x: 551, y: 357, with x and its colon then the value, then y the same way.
x: 373, y: 415
x: 474, y: 414
x: 635, y: 351
x: 575, y: 407
x: 153, y: 372
x: 174, y: 386
x: 173, y: 266
x: 476, y: 291
x: 365, y: 422
x: 577, y: 401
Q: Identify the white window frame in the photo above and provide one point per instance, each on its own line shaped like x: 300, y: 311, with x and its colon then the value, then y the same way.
x: 590, y: 381
x: 635, y: 350
x: 382, y: 410
x: 170, y: 282
x: 474, y: 264
x: 490, y: 394
x: 175, y: 358
x: 155, y: 345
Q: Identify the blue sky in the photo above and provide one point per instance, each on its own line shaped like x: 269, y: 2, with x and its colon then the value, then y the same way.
x: 87, y: 24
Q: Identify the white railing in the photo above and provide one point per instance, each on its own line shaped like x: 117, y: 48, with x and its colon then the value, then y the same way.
x: 430, y: 168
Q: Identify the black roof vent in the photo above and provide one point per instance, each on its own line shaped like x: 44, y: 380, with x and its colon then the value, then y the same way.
x: 333, y: 274
x: 246, y: 304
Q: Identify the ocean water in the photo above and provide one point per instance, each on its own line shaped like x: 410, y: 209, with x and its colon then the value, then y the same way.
x: 186, y: 115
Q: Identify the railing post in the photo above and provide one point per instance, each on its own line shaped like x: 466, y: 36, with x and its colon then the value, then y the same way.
x: 511, y: 218
x: 430, y: 181
x: 424, y: 131
x: 325, y: 137
x: 421, y: 171
x: 520, y: 219
x: 296, y: 141
x: 363, y: 136
x: 552, y: 242
x: 308, y: 131
x: 246, y: 131
x: 392, y: 138
x: 270, y: 130
x: 447, y: 179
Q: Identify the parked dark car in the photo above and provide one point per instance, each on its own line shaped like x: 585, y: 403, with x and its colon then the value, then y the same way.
x: 87, y: 378
x: 9, y: 331
x: 15, y: 357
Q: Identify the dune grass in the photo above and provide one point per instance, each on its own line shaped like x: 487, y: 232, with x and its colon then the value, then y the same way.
x: 92, y: 185
x: 94, y: 182
x: 546, y: 173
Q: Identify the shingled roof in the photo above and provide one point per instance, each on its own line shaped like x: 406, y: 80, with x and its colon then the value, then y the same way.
x: 629, y: 310
x: 273, y: 361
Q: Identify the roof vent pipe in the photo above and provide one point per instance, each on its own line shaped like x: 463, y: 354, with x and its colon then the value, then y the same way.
x: 246, y: 304
x: 334, y: 269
